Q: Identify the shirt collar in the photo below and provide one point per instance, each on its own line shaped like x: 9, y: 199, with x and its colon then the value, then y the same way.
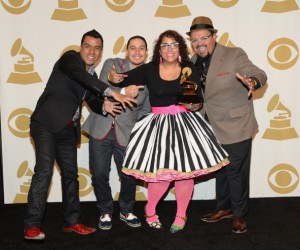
x: 92, y: 69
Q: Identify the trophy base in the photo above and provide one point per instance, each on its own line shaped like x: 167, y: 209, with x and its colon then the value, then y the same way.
x: 189, y: 99
x: 280, y: 134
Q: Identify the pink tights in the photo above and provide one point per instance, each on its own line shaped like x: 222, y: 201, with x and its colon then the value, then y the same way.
x: 183, y: 193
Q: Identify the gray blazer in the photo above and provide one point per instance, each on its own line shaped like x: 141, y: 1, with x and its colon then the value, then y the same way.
x: 226, y: 103
x: 98, y: 126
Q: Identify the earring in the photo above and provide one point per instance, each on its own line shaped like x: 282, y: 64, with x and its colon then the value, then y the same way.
x: 160, y: 59
x: 179, y: 58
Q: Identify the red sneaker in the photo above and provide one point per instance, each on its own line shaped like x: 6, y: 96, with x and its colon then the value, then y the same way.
x: 34, y: 233
x: 80, y: 229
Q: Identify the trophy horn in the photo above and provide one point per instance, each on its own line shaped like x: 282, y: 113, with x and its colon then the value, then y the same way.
x: 17, y: 48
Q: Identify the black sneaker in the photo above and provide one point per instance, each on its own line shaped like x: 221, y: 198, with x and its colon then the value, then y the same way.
x: 105, y: 222
x: 130, y: 219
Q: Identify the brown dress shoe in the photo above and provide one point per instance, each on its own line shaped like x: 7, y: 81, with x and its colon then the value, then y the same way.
x: 239, y: 225
x: 217, y: 215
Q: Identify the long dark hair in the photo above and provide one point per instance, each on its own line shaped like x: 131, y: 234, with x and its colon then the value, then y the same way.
x: 183, y: 50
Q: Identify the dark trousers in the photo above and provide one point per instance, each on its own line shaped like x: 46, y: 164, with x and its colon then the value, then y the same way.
x: 100, y: 153
x: 232, y: 181
x: 49, y: 147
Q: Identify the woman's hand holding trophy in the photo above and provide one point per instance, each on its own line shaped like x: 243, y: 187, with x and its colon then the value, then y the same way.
x: 189, y: 98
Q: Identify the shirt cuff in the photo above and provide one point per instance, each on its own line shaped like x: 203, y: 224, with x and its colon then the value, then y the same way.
x: 107, y: 92
x: 103, y: 110
x: 257, y: 83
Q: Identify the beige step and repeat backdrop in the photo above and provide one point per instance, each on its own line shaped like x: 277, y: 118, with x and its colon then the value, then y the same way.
x: 34, y: 33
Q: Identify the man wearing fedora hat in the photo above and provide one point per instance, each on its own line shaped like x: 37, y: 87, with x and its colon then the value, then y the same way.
x: 228, y: 78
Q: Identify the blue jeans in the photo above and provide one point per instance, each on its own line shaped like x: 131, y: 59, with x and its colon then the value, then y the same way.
x: 49, y: 147
x: 100, y: 155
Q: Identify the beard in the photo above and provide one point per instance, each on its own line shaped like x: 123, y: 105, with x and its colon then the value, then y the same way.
x: 202, y: 54
x: 205, y: 57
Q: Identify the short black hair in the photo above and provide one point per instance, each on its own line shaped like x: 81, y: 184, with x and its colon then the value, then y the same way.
x: 92, y: 33
x: 137, y: 37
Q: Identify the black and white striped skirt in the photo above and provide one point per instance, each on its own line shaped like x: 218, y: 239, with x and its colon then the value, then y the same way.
x: 167, y: 147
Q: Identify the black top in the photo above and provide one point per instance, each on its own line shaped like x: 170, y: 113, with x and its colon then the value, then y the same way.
x: 162, y: 92
x: 68, y: 85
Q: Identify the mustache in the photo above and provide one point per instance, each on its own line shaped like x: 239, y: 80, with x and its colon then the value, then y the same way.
x: 198, y: 46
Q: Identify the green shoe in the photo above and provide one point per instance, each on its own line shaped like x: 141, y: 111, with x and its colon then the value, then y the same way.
x: 174, y: 228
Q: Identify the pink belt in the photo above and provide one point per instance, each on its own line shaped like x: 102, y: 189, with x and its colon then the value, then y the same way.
x: 173, y: 109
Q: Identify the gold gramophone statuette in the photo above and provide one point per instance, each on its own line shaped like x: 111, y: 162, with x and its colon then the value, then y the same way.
x: 189, y: 88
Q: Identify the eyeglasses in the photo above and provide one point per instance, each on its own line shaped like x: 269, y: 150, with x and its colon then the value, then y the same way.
x: 202, y: 39
x: 166, y: 46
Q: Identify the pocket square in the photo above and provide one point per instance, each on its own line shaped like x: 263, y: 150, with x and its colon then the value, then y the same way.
x: 223, y: 73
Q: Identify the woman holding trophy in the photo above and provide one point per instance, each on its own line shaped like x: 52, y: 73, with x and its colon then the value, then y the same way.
x: 172, y: 143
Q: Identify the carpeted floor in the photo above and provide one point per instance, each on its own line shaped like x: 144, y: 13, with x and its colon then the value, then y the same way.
x: 273, y: 223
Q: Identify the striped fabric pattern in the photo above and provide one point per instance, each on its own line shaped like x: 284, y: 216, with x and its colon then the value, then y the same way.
x: 172, y: 147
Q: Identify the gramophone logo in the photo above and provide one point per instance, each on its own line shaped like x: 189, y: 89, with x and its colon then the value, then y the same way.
x: 172, y: 9
x: 279, y: 6
x: 24, y: 68
x: 68, y: 10
x: 16, y: 6
x: 283, y: 178
x: 224, y: 40
x: 70, y: 47
x: 26, y: 173
x: 85, y: 183
x: 225, y: 3
x: 18, y: 122
x: 139, y: 195
x: 84, y: 179
x: 283, y: 53
x: 280, y: 126
x: 120, y: 45
x: 119, y: 5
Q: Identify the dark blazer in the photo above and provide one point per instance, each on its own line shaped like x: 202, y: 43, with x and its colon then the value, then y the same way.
x: 69, y: 84
x: 229, y: 110
x: 98, y: 126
